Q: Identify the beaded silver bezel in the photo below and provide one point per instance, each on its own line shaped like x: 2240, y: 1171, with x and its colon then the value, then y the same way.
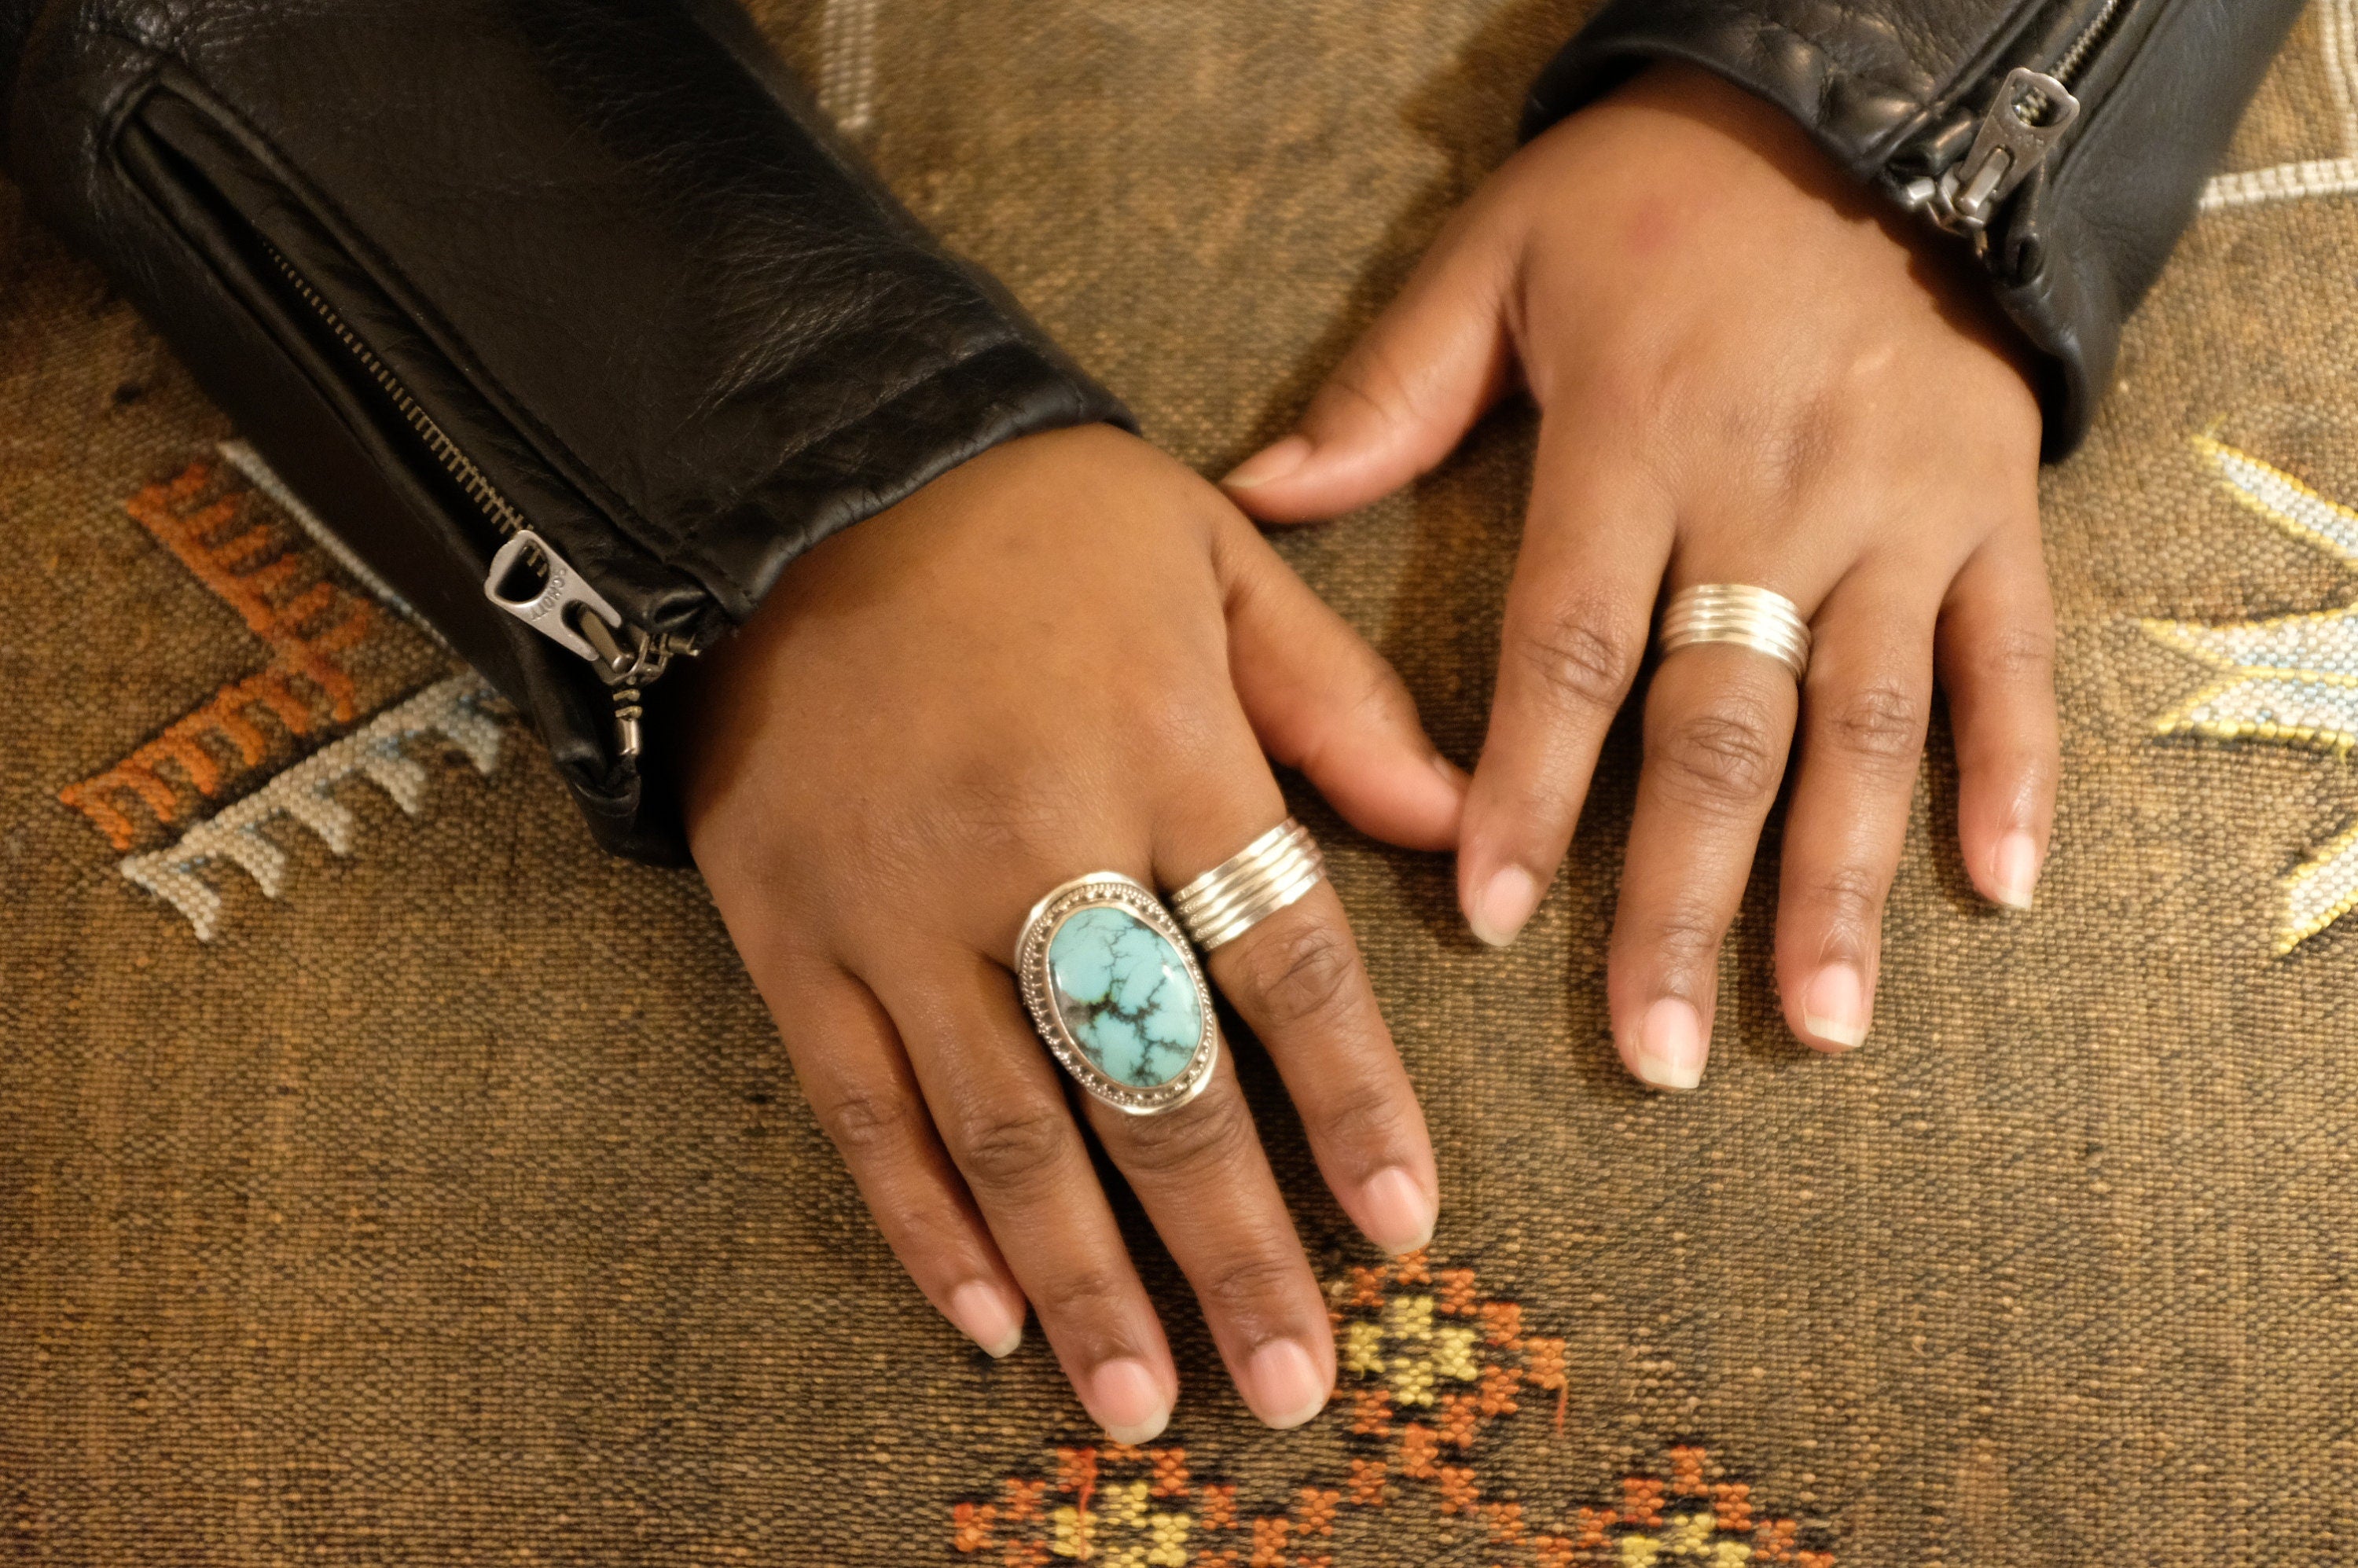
x: 1110, y: 890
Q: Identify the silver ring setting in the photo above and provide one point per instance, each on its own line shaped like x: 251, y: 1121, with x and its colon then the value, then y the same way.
x: 1113, y: 987
x: 1265, y: 876
x: 1756, y: 618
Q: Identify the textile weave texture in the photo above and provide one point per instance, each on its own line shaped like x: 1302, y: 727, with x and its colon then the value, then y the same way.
x: 449, y: 1199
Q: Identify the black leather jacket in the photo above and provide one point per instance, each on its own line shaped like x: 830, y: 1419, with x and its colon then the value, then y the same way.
x: 575, y: 321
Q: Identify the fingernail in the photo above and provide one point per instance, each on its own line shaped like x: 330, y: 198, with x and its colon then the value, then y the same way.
x: 1126, y: 1400
x: 1455, y: 775
x: 1504, y: 905
x: 1274, y: 461
x: 2014, y: 868
x: 1397, y: 1212
x: 983, y: 1315
x: 1670, y: 1047
x: 1282, y: 1385
x: 1834, y: 1005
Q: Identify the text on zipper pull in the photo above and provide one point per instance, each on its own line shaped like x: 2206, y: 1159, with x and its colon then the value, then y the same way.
x: 551, y: 608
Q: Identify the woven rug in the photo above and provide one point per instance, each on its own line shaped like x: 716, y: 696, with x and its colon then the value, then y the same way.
x: 387, y: 1177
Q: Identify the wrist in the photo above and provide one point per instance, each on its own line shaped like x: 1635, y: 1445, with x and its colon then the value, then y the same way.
x: 1748, y: 168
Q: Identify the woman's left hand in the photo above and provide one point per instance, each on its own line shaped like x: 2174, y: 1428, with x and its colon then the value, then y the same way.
x: 1747, y: 372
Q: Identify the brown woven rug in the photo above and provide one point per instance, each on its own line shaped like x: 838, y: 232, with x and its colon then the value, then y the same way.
x: 386, y: 1177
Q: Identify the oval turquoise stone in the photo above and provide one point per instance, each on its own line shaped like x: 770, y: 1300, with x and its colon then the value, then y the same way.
x: 1124, y: 992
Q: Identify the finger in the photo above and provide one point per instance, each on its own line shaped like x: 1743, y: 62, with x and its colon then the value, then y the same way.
x: 1996, y: 651
x: 1719, y: 722
x: 1404, y: 396
x: 1576, y: 622
x: 858, y: 1082
x: 999, y: 1103
x: 1297, y: 980
x: 1863, y: 718
x: 1204, y: 1182
x: 1323, y: 701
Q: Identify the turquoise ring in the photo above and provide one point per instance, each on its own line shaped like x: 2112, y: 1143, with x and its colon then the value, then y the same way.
x: 1115, y: 991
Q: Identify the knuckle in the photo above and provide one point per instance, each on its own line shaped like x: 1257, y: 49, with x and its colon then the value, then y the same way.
x: 1795, y: 453
x: 1298, y: 974
x: 1720, y: 756
x: 1580, y: 656
x: 1383, y: 698
x: 997, y: 808
x: 864, y: 1122
x: 1370, y: 382
x: 1250, y: 1285
x: 1883, y: 721
x: 2021, y: 655
x: 1685, y: 939
x: 1174, y: 721
x: 1013, y: 1149
x: 1849, y: 899
x: 1213, y: 1131
x: 1780, y: 451
x: 1088, y: 1293
x: 1363, y: 1116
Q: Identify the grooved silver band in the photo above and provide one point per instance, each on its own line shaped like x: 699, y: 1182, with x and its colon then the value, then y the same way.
x: 1755, y: 618
x: 1249, y: 886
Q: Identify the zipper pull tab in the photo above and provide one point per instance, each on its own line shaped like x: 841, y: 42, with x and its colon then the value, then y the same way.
x: 2032, y: 112
x: 563, y: 607
x: 559, y: 592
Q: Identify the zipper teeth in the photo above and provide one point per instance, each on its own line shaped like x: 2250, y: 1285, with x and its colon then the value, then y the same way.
x: 2085, y: 44
x: 472, y: 479
x: 657, y: 654
x: 2074, y: 59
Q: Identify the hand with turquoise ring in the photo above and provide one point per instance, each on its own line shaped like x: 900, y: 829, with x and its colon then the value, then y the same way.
x: 1070, y: 655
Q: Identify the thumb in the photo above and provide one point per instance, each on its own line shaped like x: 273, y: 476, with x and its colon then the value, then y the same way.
x: 1321, y: 700
x: 1402, y: 401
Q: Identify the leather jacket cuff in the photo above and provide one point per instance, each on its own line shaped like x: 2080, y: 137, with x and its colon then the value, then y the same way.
x: 2064, y: 142
x: 571, y: 318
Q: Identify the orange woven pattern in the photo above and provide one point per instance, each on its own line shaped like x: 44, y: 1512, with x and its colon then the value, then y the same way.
x: 308, y: 622
x: 459, y: 1205
x: 1408, y: 1332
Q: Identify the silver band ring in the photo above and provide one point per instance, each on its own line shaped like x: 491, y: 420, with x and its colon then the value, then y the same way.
x: 1755, y: 618
x: 1112, y: 988
x: 1265, y: 876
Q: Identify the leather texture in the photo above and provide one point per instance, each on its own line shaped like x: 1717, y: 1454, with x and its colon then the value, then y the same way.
x: 606, y: 247
x: 612, y: 251
x: 1895, y: 89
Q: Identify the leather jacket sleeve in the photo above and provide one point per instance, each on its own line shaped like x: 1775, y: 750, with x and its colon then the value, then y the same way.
x: 2064, y: 142
x: 570, y: 315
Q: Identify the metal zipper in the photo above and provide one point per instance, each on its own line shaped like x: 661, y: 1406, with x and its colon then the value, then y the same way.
x: 2032, y: 111
x: 562, y: 605
x: 2075, y: 59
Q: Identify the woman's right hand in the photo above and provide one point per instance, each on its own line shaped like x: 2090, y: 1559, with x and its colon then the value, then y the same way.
x: 1069, y: 655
